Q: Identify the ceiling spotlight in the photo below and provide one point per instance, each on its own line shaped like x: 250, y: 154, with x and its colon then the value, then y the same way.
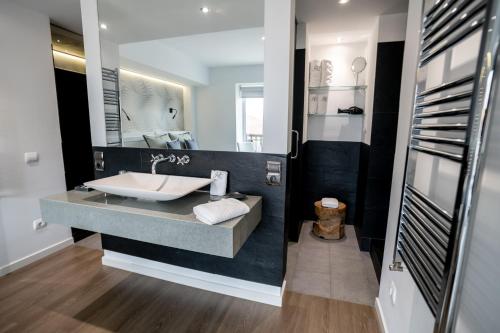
x: 58, y: 40
x: 339, y: 39
x: 263, y: 38
x: 104, y: 26
x: 204, y: 10
x: 343, y: 2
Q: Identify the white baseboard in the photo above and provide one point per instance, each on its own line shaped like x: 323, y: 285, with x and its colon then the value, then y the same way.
x: 380, y: 316
x: 253, y: 291
x: 9, y: 268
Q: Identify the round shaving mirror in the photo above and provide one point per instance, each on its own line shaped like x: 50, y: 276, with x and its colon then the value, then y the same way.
x: 358, y: 65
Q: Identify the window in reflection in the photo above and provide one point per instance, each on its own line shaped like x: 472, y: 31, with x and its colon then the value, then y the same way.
x: 250, y: 120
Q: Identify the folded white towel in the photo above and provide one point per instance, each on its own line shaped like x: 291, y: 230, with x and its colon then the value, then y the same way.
x: 330, y: 203
x: 220, y: 211
x: 314, y: 73
x: 326, y: 73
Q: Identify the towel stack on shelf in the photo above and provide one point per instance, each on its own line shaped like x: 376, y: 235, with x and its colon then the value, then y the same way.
x: 320, y: 75
x: 326, y: 73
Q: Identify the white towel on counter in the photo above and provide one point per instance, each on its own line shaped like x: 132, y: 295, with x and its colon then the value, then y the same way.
x: 330, y: 203
x: 220, y: 211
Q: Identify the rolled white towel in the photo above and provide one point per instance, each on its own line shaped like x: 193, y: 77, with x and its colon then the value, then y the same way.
x: 330, y: 203
x: 322, y: 104
x: 314, y: 73
x: 326, y: 73
x: 313, y: 103
x: 220, y: 211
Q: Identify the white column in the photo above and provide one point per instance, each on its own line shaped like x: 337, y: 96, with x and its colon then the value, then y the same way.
x: 279, y: 26
x: 90, y: 22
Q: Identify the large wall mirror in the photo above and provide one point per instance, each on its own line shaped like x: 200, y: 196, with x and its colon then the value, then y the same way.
x: 183, y: 74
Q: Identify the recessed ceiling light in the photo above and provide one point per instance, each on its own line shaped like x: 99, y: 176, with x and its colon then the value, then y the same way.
x: 339, y: 39
x: 343, y: 2
x: 104, y: 26
x: 58, y: 40
x: 205, y: 10
x: 263, y: 37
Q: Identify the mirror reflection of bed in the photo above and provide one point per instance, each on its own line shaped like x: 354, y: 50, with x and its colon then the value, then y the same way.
x: 194, y: 84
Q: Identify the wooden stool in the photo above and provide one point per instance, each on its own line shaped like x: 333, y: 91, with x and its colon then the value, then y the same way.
x: 330, y: 224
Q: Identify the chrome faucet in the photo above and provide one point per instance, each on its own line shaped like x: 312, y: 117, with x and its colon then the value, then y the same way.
x: 183, y: 160
x: 155, y: 160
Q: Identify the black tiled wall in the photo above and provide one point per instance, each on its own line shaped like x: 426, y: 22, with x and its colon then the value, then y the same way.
x: 262, y: 258
x: 379, y: 156
x: 331, y: 170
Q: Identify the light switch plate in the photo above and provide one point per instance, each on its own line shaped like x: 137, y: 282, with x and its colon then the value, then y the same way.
x: 31, y: 157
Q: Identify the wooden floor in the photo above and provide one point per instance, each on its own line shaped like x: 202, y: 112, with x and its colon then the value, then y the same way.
x: 71, y: 291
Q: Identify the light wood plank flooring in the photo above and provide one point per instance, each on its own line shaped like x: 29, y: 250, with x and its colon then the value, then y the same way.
x: 70, y: 291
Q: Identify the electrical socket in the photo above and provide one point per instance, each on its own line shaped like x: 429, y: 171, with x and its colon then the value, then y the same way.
x: 39, y: 224
x: 393, y: 293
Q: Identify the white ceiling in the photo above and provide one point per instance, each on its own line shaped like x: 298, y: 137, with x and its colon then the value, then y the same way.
x: 138, y: 20
x: 328, y: 16
x: 64, y: 13
x: 324, y: 16
x: 133, y: 21
x: 225, y: 48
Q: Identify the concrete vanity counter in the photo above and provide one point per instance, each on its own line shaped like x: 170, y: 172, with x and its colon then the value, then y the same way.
x: 167, y: 223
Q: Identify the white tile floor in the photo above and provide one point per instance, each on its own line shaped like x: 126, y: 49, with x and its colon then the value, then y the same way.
x: 331, y: 269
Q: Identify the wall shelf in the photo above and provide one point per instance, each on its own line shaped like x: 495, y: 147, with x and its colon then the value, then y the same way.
x: 340, y: 115
x: 336, y: 88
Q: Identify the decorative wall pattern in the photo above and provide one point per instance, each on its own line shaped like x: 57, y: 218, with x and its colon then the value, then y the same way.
x: 147, y: 103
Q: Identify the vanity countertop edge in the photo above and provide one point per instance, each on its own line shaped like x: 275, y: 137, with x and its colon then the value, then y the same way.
x: 169, y: 223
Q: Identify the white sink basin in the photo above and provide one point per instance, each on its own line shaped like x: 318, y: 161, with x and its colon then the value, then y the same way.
x: 148, y: 186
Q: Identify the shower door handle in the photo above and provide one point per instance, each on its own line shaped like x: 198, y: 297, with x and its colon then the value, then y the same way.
x: 294, y: 156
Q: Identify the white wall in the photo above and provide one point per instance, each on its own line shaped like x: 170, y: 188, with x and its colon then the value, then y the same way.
x: 216, y: 106
x: 169, y: 60
x: 392, y: 27
x: 370, y: 79
x: 410, y: 313
x: 110, y: 54
x: 28, y: 122
x: 304, y: 41
x: 479, y: 291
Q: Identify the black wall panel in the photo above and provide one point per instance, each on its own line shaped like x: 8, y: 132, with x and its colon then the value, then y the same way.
x: 331, y: 170
x: 262, y: 258
x: 379, y: 156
